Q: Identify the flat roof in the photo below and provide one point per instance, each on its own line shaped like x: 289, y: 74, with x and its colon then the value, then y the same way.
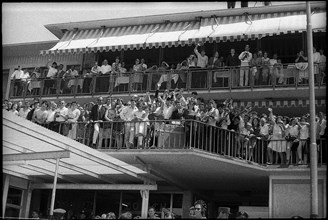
x: 29, y: 151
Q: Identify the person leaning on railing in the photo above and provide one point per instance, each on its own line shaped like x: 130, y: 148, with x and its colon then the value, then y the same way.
x: 61, y: 117
x: 40, y: 115
x: 233, y: 63
x: 50, y: 83
x: 16, y: 76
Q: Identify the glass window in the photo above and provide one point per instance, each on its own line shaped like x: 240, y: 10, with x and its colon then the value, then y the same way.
x: 14, y: 196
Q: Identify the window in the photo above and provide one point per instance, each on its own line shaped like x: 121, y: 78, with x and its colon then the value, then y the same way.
x: 14, y: 202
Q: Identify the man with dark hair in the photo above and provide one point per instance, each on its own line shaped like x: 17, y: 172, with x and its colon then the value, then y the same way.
x: 16, y: 76
x: 97, y: 115
x: 233, y: 62
x: 40, y: 115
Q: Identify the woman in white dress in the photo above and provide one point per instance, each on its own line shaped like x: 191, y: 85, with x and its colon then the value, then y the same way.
x: 140, y: 126
x: 276, y: 140
x: 73, y: 115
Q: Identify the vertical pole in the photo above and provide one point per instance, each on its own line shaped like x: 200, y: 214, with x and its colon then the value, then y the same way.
x: 52, y: 204
x: 145, y: 200
x: 171, y: 203
x: 94, y: 203
x: 120, y: 207
x: 28, y: 200
x: 313, y: 145
x: 5, y: 194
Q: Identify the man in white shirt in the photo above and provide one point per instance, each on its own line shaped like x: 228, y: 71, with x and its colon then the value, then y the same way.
x: 103, y: 82
x: 16, y: 76
x: 50, y: 82
x: 50, y: 121
x: 202, y: 59
x: 25, y: 80
x: 245, y: 57
x: 199, y: 78
x: 127, y: 114
x: 105, y: 68
x: 61, y: 117
x: 24, y: 110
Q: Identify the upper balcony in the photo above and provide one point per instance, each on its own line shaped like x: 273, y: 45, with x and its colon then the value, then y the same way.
x: 225, y: 80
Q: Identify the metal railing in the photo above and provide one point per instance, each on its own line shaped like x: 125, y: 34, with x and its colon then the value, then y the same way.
x: 286, y: 75
x: 188, y: 134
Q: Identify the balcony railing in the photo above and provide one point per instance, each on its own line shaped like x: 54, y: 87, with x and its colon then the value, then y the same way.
x: 187, y: 134
x: 227, y: 78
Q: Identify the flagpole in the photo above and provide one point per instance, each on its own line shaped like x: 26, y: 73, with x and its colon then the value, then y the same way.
x: 313, y: 145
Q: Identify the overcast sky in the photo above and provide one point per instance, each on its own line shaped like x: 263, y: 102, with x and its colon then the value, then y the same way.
x: 24, y: 22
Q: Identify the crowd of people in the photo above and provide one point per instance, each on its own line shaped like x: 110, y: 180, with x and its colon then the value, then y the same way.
x: 197, y: 211
x: 139, y: 123
x: 246, y: 68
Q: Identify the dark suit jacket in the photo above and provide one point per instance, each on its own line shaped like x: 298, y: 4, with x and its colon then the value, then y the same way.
x: 232, y: 60
x: 177, y: 115
x: 96, y: 114
x: 216, y: 64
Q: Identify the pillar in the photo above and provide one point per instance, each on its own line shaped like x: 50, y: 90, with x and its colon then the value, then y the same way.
x: 187, y: 202
x: 5, y: 194
x: 145, y: 201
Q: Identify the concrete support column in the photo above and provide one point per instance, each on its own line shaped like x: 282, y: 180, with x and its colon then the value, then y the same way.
x: 145, y: 201
x: 187, y: 201
x: 27, y: 201
x: 5, y: 194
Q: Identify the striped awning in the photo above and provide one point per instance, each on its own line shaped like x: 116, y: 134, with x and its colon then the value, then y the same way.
x: 242, y: 27
x: 258, y: 26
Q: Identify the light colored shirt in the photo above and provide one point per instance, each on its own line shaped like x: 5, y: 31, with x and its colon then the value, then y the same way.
x: 167, y: 111
x: 95, y: 69
x: 105, y: 69
x: 73, y: 115
x: 322, y: 59
x: 62, y: 111
x: 17, y: 74
x: 246, y: 60
x: 51, y: 115
x: 264, y: 130
x: 52, y: 72
x: 304, y: 132
x: 202, y: 61
x: 272, y: 62
x: 322, y: 126
x: 23, y: 113
x: 316, y: 57
x: 25, y: 76
x: 127, y: 113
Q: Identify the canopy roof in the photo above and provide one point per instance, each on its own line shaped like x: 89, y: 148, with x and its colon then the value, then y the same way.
x: 30, y: 152
x: 215, y: 28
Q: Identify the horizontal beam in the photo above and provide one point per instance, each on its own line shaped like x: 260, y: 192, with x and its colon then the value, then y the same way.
x: 37, y: 156
x: 49, y: 173
x: 96, y: 186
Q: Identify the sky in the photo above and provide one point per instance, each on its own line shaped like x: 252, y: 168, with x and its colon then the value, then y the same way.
x: 24, y: 22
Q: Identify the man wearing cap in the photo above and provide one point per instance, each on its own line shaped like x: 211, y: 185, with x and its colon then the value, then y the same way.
x: 224, y: 212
